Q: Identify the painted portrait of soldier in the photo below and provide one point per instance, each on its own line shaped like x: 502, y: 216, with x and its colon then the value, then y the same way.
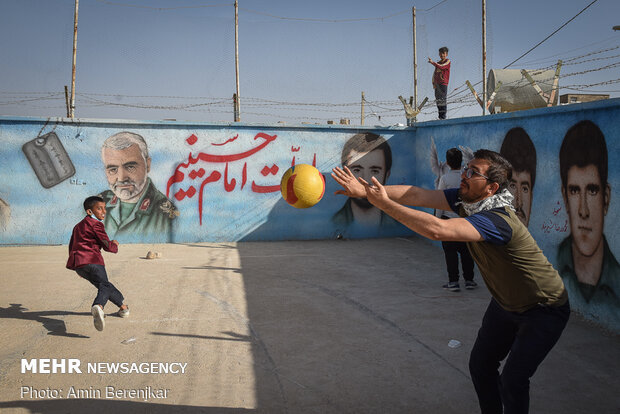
x: 134, y: 205
x: 519, y: 150
x: 366, y: 155
x: 588, y: 267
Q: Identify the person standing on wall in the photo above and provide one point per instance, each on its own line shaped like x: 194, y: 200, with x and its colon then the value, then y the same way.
x: 441, y: 76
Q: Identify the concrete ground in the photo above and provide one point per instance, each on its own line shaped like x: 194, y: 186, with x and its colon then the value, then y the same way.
x: 281, y: 327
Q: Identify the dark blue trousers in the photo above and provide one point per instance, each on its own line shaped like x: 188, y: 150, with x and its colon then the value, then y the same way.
x: 97, y: 275
x: 526, y: 338
x: 441, y: 93
x: 452, y: 250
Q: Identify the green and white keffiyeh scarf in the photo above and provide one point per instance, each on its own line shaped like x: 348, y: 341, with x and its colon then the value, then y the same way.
x: 501, y: 199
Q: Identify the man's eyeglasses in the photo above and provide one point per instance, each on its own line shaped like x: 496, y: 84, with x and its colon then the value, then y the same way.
x: 469, y: 172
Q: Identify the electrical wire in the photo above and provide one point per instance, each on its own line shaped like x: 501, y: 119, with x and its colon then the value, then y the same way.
x: 550, y: 57
x: 546, y: 38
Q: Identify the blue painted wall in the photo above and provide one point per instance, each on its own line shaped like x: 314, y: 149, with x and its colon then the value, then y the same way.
x: 237, y: 168
x: 549, y: 221
x: 49, y: 166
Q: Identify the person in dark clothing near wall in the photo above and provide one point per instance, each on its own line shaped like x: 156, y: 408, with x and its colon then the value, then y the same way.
x: 452, y: 249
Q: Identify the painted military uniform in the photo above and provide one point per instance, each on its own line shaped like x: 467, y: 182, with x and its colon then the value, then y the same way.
x: 151, y: 215
x: 601, y: 302
x: 346, y: 225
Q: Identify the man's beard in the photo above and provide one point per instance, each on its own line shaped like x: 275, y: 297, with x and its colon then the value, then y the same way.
x: 126, y: 194
x: 471, y: 198
x: 362, y: 203
x: 464, y: 198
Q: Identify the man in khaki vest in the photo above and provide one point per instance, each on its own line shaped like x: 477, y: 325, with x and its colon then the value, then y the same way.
x: 529, y: 308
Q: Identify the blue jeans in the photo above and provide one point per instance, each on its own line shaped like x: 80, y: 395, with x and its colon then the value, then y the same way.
x: 97, y: 275
x: 526, y: 338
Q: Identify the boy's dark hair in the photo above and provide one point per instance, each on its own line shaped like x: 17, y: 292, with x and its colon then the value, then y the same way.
x: 366, y: 142
x: 454, y: 158
x: 443, y: 49
x: 519, y: 150
x: 500, y: 170
x: 90, y: 202
x: 583, y: 145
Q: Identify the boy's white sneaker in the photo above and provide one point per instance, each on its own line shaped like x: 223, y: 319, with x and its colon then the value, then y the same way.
x: 123, y: 313
x: 98, y: 317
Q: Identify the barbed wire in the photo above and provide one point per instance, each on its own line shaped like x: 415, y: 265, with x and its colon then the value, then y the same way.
x: 554, y: 57
x: 147, y: 106
x: 47, y: 96
x: 462, y: 88
x: 458, y: 99
x: 452, y: 97
x: 383, y: 109
x: 575, y: 60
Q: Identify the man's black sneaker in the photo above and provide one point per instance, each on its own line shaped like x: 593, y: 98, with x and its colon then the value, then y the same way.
x: 452, y: 286
x: 470, y: 284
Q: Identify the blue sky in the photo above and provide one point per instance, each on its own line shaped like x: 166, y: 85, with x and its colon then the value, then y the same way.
x: 299, y: 61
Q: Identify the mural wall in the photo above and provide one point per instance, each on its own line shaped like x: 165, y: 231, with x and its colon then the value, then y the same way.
x: 169, y: 182
x: 176, y: 182
x: 565, y: 175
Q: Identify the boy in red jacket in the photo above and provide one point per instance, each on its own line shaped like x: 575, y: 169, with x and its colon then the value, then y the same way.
x: 441, y: 77
x: 87, y: 240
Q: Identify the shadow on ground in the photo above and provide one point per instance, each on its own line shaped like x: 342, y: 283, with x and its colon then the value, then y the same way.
x: 54, y: 326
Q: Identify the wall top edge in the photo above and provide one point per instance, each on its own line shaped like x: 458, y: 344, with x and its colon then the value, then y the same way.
x: 610, y: 103
x: 173, y: 123
x: 576, y: 107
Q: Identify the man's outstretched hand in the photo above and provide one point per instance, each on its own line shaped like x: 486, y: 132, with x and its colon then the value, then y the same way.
x: 351, y: 187
x: 375, y: 192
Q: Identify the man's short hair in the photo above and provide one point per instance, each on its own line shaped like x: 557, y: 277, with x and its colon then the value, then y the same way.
x: 454, y: 158
x: 364, y: 143
x: 443, y: 49
x: 519, y: 150
x: 500, y: 170
x: 123, y: 140
x: 90, y: 202
x: 583, y: 145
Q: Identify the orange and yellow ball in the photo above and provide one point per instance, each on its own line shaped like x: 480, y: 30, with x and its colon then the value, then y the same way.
x: 302, y: 186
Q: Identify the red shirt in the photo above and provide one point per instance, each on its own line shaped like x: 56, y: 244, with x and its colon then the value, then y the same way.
x: 87, y: 240
x: 441, y: 76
